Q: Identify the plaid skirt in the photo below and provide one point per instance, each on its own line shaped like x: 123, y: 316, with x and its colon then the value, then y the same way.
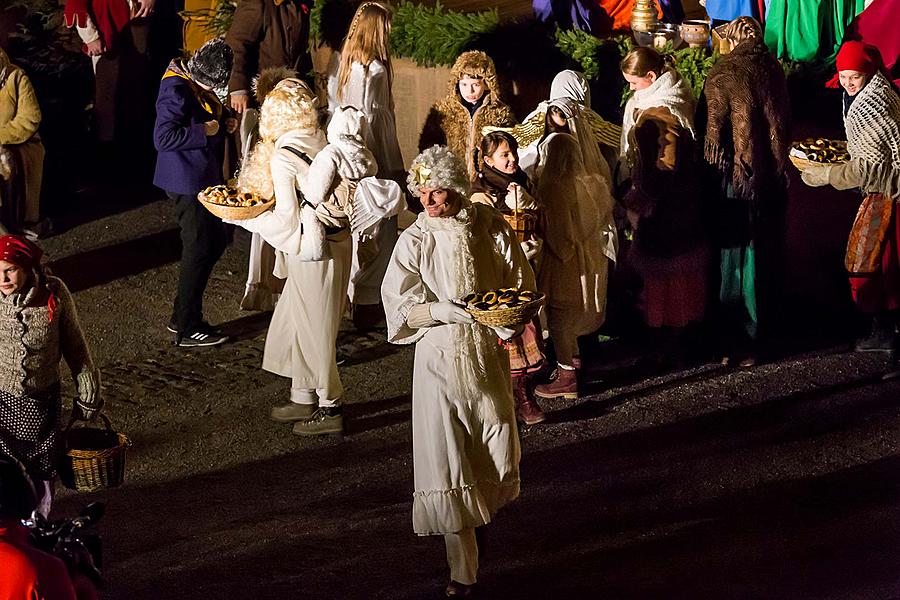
x: 525, y: 354
x: 29, y: 430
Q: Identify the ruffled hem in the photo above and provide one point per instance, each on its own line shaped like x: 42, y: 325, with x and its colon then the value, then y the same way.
x: 436, y: 512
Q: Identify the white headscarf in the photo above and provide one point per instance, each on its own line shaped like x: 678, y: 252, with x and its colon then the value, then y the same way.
x: 669, y: 90
x: 573, y: 85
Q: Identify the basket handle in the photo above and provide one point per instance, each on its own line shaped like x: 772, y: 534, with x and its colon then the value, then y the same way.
x: 106, y: 423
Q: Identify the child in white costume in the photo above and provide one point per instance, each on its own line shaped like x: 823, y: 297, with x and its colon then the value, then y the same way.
x: 361, y: 76
x: 465, y: 445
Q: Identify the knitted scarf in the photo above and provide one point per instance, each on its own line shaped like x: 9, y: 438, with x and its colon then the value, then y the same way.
x: 873, y: 137
x: 669, y: 90
x: 747, y: 111
x: 494, y: 183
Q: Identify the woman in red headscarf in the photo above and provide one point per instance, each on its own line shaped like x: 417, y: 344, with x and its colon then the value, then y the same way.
x: 38, y: 327
x: 872, y: 123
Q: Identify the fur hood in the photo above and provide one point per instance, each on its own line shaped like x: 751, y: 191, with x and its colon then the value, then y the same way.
x: 449, y: 122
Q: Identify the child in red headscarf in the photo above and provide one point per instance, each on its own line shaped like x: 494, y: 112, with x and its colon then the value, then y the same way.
x: 38, y: 327
x: 872, y: 122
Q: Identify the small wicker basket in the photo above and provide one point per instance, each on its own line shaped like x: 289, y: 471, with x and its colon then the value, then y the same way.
x: 508, y: 317
x: 237, y: 213
x: 522, y: 222
x: 94, y: 458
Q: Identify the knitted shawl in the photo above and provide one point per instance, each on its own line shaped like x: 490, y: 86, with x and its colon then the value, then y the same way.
x: 747, y: 119
x: 873, y: 137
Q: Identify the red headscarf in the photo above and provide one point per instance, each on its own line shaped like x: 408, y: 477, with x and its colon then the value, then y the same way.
x: 27, y: 255
x: 855, y: 56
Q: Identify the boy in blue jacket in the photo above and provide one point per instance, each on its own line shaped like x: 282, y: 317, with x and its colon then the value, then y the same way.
x: 189, y: 136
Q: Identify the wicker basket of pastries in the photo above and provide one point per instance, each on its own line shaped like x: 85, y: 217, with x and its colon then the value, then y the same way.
x: 232, y: 204
x: 818, y: 151
x: 505, y: 307
x: 522, y: 222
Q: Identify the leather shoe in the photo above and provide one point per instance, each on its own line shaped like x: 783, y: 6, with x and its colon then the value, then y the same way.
x: 292, y: 411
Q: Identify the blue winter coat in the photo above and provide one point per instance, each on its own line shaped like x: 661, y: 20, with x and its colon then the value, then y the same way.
x: 188, y: 160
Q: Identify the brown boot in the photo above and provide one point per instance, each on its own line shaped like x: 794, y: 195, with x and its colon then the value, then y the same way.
x: 563, y: 384
x: 527, y: 410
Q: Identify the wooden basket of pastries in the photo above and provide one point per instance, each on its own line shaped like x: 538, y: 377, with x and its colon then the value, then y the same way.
x: 232, y: 204
x: 505, y: 307
x: 818, y: 151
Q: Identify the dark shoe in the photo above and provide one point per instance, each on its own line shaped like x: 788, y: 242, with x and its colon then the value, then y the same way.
x: 881, y: 339
x: 293, y: 411
x: 748, y: 362
x: 326, y: 420
x: 199, y: 339
x: 527, y: 410
x: 204, y: 327
x: 459, y: 590
x: 563, y: 384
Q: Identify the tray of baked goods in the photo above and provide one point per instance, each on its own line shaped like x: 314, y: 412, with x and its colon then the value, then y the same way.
x: 232, y: 204
x: 818, y: 151
x: 504, y: 307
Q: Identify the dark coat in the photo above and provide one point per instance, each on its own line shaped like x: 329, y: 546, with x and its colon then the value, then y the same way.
x: 264, y: 35
x: 188, y: 160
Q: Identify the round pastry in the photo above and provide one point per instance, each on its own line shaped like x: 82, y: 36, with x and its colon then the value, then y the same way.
x: 506, y: 296
x: 490, y: 298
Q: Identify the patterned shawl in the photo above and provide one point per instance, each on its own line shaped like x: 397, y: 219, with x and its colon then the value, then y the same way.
x: 747, y: 120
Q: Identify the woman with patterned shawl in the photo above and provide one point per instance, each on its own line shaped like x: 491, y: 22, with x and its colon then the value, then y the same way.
x: 872, y: 123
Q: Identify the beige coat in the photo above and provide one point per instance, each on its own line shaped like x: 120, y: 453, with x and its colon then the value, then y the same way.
x: 20, y: 116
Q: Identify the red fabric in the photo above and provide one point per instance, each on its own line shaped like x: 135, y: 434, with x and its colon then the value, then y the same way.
x: 877, y: 26
x: 674, y: 292
x: 28, y: 572
x: 20, y: 252
x: 881, y: 291
x: 109, y: 16
x: 856, y: 56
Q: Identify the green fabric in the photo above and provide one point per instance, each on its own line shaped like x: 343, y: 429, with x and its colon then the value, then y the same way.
x: 808, y: 29
x: 739, y: 284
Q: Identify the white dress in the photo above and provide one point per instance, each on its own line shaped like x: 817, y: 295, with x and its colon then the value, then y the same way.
x: 465, y: 444
x: 368, y: 89
x: 301, y: 340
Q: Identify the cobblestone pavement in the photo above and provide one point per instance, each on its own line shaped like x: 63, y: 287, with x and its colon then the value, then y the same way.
x: 777, y: 482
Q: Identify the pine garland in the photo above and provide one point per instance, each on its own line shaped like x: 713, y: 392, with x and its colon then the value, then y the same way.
x: 433, y: 36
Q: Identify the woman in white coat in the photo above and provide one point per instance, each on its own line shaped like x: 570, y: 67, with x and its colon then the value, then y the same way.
x: 361, y: 76
x: 312, y: 247
x: 465, y: 446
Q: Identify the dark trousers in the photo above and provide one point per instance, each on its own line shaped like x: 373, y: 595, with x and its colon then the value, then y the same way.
x: 203, y: 241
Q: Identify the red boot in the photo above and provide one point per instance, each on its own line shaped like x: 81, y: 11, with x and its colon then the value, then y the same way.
x: 563, y: 384
x: 527, y: 410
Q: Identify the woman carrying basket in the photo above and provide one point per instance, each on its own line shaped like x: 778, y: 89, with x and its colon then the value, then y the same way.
x: 39, y: 326
x: 501, y: 183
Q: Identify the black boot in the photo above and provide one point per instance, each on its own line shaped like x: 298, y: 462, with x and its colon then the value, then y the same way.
x: 881, y: 338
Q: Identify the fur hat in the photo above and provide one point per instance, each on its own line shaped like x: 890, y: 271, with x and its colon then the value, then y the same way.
x: 210, y: 65
x: 438, y: 167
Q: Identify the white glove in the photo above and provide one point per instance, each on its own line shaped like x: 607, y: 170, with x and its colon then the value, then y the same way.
x: 89, y: 401
x: 507, y: 333
x: 816, y: 176
x: 449, y: 312
x: 531, y: 248
x: 511, y: 195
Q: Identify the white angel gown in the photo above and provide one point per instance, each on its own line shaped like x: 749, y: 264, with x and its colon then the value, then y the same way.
x: 465, y: 444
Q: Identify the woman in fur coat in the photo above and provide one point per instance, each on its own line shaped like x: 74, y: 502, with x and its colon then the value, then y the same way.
x: 743, y: 115
x: 663, y: 203
x: 471, y: 104
x: 312, y: 246
x: 872, y: 122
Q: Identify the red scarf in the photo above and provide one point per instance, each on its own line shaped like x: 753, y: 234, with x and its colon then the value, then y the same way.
x: 26, y: 255
x: 109, y: 16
